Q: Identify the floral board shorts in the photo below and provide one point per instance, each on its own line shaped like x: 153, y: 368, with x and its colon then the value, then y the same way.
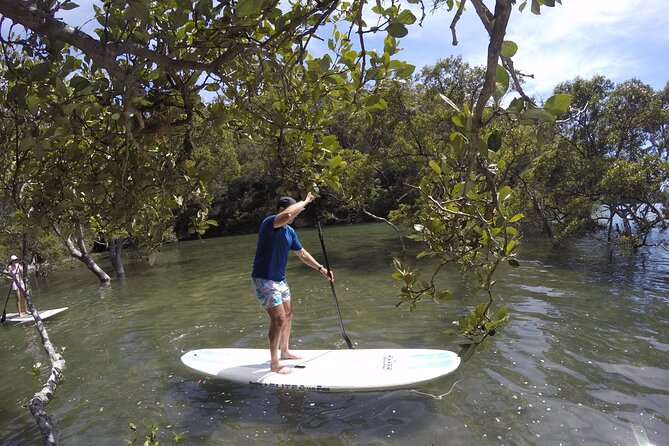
x: 270, y: 293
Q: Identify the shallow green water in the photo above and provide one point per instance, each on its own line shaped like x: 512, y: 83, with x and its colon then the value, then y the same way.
x: 584, y: 359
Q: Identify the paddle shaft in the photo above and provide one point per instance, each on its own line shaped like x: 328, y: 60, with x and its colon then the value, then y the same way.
x: 334, y: 294
x: 4, y: 310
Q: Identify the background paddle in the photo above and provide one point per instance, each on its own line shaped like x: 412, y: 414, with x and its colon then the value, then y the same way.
x: 334, y: 294
x: 4, y: 310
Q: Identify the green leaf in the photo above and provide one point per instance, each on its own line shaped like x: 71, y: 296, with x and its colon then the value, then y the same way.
x: 329, y: 142
x: 406, y: 17
x: 538, y: 114
x: 480, y: 309
x: 61, y: 88
x: 405, y: 71
x: 467, y: 352
x: 509, y: 48
x: 248, y: 7
x: 536, y: 7
x: 514, y: 263
x: 33, y: 103
x: 516, y: 217
x: 139, y: 10
x: 390, y: 45
x: 516, y: 105
x: 397, y: 30
x: 78, y: 83
x: 495, y: 141
x: 558, y: 104
x: 504, y: 193
x: 26, y: 143
x: 501, y: 82
x: 40, y: 71
x: 435, y: 167
x: 372, y: 100
x: 17, y: 93
x: 335, y: 162
x: 444, y: 295
x: 68, y: 5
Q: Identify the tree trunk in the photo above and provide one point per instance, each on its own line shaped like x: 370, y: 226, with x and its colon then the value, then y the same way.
x: 38, y: 402
x: 40, y: 399
x: 80, y: 253
x: 115, y: 250
x: 539, y: 209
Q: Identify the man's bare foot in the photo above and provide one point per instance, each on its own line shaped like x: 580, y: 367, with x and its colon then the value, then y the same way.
x: 281, y: 370
x: 289, y: 355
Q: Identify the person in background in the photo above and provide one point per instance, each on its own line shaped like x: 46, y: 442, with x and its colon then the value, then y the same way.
x: 15, y: 269
x: 275, y: 239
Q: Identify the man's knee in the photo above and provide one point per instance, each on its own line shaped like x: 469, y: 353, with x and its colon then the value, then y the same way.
x: 282, y: 319
x: 279, y: 319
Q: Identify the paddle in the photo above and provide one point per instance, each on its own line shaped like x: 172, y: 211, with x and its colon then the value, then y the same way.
x: 4, y: 310
x: 334, y: 294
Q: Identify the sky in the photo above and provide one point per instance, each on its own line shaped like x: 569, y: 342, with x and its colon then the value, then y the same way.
x: 620, y: 39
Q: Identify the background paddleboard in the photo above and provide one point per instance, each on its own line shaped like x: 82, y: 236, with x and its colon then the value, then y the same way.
x: 14, y: 317
x: 327, y: 370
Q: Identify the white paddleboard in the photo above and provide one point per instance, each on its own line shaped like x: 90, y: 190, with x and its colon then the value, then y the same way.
x: 14, y: 317
x: 327, y: 370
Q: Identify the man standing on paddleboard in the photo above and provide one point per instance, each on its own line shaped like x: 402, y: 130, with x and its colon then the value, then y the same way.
x: 275, y: 239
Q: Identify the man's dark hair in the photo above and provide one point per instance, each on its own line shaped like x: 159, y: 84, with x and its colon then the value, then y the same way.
x: 284, y: 202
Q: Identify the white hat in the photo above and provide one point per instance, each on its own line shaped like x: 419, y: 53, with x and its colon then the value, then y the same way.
x: 12, y: 258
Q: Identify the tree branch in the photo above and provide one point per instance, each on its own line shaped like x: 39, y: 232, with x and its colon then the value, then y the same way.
x: 28, y: 14
x: 40, y: 399
x: 497, y: 30
x: 399, y: 233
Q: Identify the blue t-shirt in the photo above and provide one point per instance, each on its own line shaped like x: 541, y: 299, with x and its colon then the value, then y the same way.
x: 272, y: 250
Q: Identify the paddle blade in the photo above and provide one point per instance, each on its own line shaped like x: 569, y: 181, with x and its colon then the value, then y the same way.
x: 4, y: 317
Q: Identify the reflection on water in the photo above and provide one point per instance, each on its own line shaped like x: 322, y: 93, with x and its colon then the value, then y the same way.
x: 218, y: 412
x: 582, y: 361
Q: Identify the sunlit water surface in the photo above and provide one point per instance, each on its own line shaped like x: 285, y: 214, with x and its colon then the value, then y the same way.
x: 584, y: 359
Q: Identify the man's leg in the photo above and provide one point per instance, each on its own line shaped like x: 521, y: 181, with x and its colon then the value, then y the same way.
x: 25, y: 302
x: 19, y: 302
x: 277, y: 322
x: 285, y: 332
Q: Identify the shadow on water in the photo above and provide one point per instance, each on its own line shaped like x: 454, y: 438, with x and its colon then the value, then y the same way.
x: 216, y: 411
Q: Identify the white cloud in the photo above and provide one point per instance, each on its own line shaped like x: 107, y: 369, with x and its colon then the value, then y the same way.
x: 585, y: 38
x: 620, y: 39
